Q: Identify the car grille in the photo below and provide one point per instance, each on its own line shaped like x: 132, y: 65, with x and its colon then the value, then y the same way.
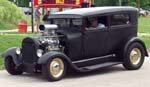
x: 29, y: 48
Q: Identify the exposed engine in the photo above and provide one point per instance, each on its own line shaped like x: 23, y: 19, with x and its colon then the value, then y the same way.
x: 49, y: 38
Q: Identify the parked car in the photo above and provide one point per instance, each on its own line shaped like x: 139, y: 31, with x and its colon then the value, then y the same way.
x: 71, y: 42
x: 26, y: 10
x: 143, y: 12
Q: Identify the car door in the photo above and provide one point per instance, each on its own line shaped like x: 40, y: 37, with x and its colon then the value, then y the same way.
x: 95, y: 43
x: 121, y: 29
x: 95, y: 40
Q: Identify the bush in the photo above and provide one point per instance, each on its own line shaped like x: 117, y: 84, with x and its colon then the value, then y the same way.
x: 9, y: 12
x: 134, y: 4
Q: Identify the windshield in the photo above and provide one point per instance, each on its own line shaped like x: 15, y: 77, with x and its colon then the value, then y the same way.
x: 67, y: 23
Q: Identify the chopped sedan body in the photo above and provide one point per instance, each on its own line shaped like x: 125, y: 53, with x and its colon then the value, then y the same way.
x: 82, y: 40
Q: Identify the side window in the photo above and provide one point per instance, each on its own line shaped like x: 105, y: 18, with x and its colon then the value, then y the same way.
x: 120, y: 19
x: 77, y: 22
x: 96, y: 22
x: 63, y: 23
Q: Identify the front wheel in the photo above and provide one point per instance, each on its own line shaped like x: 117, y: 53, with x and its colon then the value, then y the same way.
x: 54, y: 69
x: 134, y: 56
x: 11, y: 67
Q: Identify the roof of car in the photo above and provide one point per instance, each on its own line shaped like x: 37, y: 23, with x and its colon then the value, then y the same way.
x: 80, y: 12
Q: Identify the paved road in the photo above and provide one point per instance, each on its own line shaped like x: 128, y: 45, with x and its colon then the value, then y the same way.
x: 115, y: 76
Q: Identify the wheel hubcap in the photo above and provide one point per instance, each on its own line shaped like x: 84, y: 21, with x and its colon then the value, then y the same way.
x: 135, y: 56
x: 57, y: 67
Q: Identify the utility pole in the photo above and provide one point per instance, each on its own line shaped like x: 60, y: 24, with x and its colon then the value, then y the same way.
x: 139, y: 5
x: 32, y: 18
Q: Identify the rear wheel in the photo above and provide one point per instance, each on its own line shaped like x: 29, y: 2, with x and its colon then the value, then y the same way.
x: 55, y: 69
x: 11, y: 67
x: 134, y: 57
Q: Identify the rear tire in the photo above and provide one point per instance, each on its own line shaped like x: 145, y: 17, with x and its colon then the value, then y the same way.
x: 134, y: 56
x: 55, y: 69
x: 11, y: 67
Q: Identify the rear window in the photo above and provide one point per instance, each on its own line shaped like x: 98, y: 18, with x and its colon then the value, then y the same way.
x: 120, y: 19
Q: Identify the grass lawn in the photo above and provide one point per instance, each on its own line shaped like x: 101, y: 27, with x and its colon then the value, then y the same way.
x: 146, y: 39
x: 7, y: 26
x: 144, y: 27
x: 7, y: 42
x: 144, y: 24
x: 10, y: 26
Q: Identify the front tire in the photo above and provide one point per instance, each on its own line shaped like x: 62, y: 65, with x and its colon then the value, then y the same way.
x: 54, y: 69
x: 134, y: 56
x: 11, y: 67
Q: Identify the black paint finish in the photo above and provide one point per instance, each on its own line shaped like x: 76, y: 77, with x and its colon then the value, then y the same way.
x: 85, y: 50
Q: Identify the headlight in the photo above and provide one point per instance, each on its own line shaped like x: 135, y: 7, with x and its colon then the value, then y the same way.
x: 39, y: 52
x: 18, y: 51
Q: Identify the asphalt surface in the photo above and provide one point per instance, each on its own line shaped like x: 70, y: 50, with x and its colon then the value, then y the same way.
x: 115, y: 76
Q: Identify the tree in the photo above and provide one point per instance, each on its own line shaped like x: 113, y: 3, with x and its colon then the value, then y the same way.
x: 21, y: 3
x: 106, y: 2
x: 9, y: 12
x: 145, y: 4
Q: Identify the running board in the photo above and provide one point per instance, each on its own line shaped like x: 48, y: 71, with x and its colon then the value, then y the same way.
x: 93, y: 67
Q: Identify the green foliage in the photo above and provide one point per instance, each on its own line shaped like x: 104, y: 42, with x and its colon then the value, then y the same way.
x: 146, y: 40
x: 7, y: 41
x: 134, y: 4
x: 6, y: 25
x: 106, y: 2
x: 22, y: 3
x: 144, y: 24
x: 145, y: 4
x: 9, y: 12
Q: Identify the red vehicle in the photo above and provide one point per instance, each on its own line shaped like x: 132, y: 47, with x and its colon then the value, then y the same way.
x: 62, y: 3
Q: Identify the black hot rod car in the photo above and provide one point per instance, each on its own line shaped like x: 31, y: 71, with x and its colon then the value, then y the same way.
x: 83, y: 40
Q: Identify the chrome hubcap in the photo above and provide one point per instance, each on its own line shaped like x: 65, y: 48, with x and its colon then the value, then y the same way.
x: 135, y: 56
x: 56, y: 67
